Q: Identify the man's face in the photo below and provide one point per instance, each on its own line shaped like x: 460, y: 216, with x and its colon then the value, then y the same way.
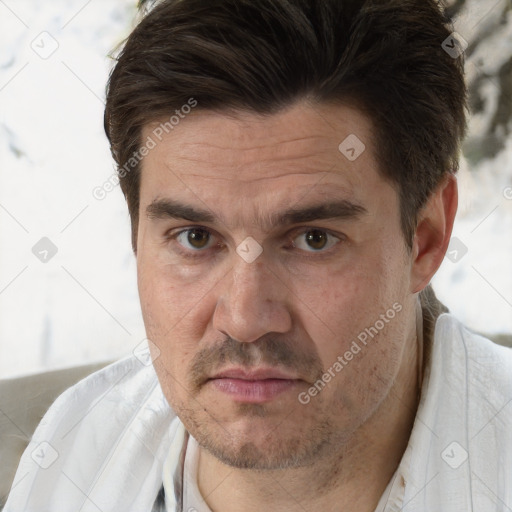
x: 265, y: 256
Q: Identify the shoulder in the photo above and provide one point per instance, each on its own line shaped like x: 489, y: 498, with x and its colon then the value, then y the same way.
x: 123, y: 380
x: 483, y: 359
x: 115, y: 418
x: 473, y: 380
x: 461, y: 436
x: 117, y: 393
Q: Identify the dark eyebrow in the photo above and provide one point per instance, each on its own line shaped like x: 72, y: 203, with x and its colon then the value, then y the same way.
x: 340, y: 209
x: 167, y: 208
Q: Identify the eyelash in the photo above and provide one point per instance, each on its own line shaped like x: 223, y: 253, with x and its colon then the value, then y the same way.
x: 172, y: 236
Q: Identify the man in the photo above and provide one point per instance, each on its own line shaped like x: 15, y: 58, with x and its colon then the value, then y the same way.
x: 289, y: 168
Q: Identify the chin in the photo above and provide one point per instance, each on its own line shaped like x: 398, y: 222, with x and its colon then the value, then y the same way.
x: 255, y: 444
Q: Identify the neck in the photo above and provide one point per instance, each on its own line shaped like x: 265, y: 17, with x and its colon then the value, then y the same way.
x: 352, y: 478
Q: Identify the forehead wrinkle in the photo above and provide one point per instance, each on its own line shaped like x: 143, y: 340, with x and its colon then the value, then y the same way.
x: 260, y: 159
x: 271, y: 142
x: 250, y: 180
x: 240, y: 176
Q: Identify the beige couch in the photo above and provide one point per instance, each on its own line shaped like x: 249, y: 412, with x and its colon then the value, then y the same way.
x: 23, y: 402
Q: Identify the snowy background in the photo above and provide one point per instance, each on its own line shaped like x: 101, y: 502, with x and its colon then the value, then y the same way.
x: 67, y: 274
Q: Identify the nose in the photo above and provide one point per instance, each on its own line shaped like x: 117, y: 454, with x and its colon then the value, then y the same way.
x: 252, y: 303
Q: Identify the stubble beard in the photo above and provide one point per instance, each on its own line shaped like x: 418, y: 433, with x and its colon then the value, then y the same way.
x: 285, y: 444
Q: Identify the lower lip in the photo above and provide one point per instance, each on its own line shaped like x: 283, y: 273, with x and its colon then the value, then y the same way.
x: 253, y: 391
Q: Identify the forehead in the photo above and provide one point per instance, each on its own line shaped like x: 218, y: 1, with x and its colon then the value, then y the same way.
x: 307, y: 149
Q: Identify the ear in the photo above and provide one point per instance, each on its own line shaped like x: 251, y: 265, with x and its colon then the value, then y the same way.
x: 433, y: 233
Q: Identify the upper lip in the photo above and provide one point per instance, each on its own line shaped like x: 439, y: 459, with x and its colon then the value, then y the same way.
x: 254, y: 374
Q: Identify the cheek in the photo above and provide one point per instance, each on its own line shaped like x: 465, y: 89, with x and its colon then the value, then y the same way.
x: 173, y: 312
x: 170, y: 318
x: 345, y: 301
x: 171, y: 293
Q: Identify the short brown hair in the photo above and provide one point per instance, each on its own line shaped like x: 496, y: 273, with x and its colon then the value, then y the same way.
x: 383, y: 56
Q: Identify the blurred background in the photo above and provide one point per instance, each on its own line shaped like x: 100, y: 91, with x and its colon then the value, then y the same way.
x: 68, y: 291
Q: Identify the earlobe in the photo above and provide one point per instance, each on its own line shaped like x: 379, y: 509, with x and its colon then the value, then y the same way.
x: 433, y: 233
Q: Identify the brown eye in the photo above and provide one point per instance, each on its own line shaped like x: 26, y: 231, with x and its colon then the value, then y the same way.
x: 198, y: 238
x: 194, y: 238
x: 315, y: 240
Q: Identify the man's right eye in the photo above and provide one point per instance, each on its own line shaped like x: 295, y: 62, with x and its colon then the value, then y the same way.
x: 194, y: 239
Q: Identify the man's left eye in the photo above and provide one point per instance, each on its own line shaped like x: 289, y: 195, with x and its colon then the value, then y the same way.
x: 315, y: 240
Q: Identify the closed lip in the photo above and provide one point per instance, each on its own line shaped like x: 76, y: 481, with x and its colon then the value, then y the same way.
x: 254, y: 374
